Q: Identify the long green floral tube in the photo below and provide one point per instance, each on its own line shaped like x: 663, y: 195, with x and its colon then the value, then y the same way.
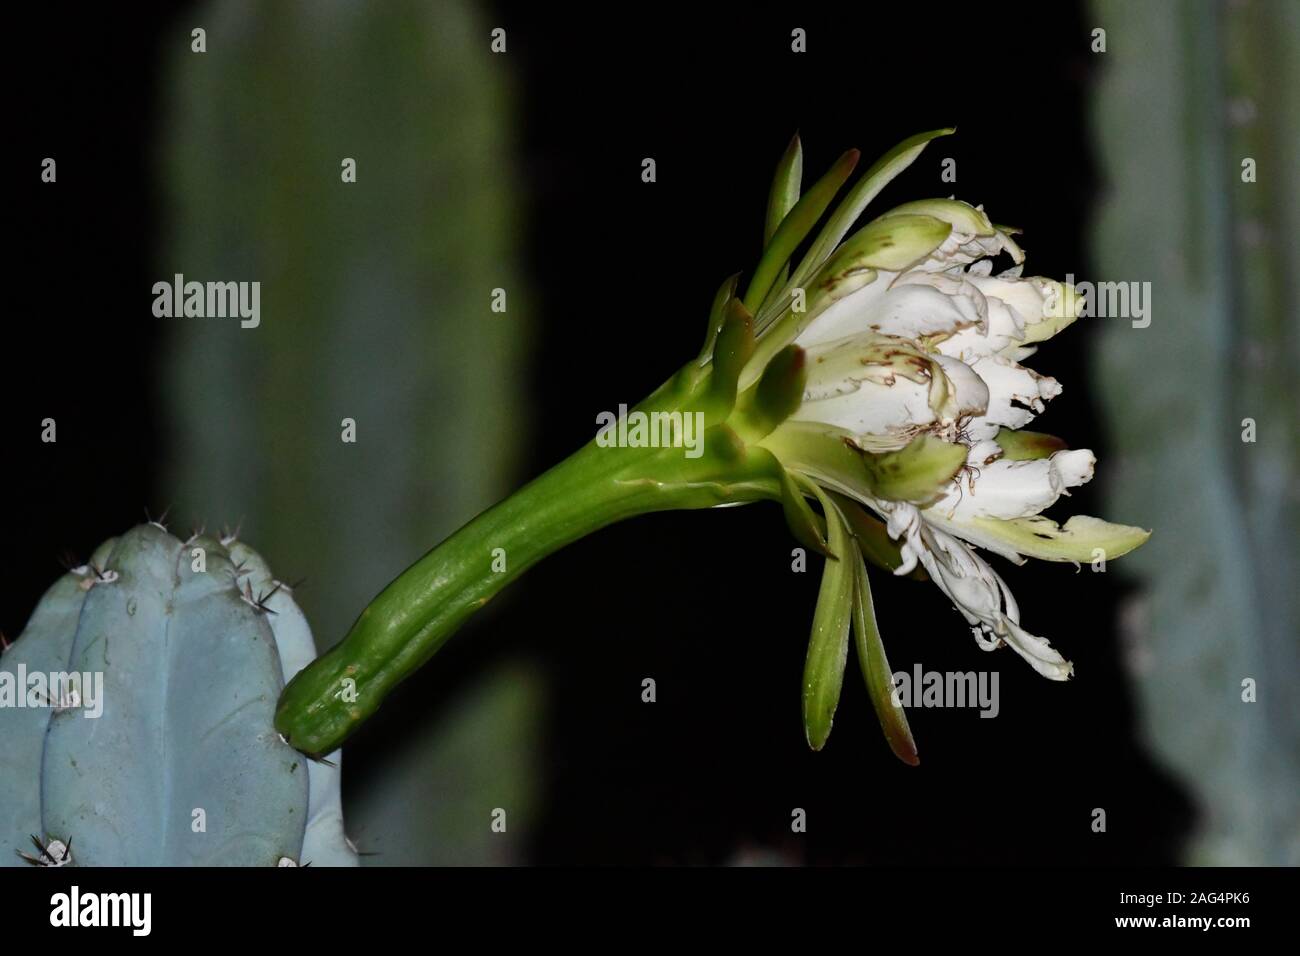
x: 873, y: 388
x: 416, y: 613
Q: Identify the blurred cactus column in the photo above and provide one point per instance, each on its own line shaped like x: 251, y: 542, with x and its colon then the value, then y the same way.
x: 376, y: 308
x: 1197, y: 117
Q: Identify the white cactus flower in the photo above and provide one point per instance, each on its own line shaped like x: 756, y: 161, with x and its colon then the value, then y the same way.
x: 925, y: 340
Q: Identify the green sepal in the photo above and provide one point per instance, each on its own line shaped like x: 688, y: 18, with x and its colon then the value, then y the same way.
x: 717, y: 315
x: 795, y: 227
x: 892, y: 244
x: 789, y: 324
x: 805, y: 525
x: 732, y: 349
x: 724, y: 446
x: 776, y: 396
x: 823, y: 452
x: 786, y: 184
x: 1025, y: 446
x: 777, y: 285
x: 858, y: 198
x: 780, y: 390
x: 1061, y: 312
x: 876, y: 672
x: 828, y: 644
x: 917, y: 473
x: 962, y: 216
x: 1083, y: 538
x: 873, y: 539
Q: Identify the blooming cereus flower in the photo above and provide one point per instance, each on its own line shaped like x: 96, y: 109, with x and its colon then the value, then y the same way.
x: 914, y: 394
x: 876, y: 387
x: 934, y: 348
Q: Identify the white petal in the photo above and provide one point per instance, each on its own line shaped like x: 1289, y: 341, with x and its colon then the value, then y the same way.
x: 914, y: 311
x: 1018, y: 353
x: 1026, y: 296
x: 1004, y: 489
x: 896, y: 305
x: 1075, y: 466
x: 848, y: 316
x: 872, y: 384
x: 848, y: 388
x: 873, y: 408
x: 907, y: 310
x: 1013, y: 489
x: 965, y: 296
x: 1038, y: 652
x: 1002, y: 330
x: 968, y: 395
x: 961, y: 249
x: 983, y: 453
x: 1016, y: 395
x: 974, y: 588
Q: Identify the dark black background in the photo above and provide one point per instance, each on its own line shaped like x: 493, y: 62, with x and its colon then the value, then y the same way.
x: 623, y: 272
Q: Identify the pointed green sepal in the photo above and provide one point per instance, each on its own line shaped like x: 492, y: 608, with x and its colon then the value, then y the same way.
x: 805, y: 525
x: 876, y: 672
x: 858, y: 198
x: 917, y: 473
x: 891, y: 244
x: 717, y: 315
x: 795, y: 227
x: 789, y: 324
x: 1081, y: 539
x: 1024, y: 446
x: 731, y: 350
x: 776, y: 396
x: 828, y: 645
x: 723, y: 445
x: 1063, y: 306
x: 780, y: 390
x: 962, y: 216
x: 786, y: 185
x: 823, y: 452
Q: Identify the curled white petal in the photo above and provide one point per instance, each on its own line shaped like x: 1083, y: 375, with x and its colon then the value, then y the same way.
x: 974, y: 588
x: 1016, y: 395
x: 1002, y: 330
x: 1012, y: 489
x: 1038, y: 652
x: 968, y: 394
x: 961, y: 249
